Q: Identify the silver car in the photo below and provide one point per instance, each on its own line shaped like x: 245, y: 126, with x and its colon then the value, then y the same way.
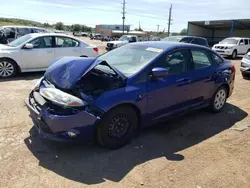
x: 245, y: 65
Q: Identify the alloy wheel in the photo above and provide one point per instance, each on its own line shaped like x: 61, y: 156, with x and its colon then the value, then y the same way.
x: 220, y: 99
x: 6, y: 69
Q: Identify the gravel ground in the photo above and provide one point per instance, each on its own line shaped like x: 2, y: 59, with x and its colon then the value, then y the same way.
x: 197, y: 150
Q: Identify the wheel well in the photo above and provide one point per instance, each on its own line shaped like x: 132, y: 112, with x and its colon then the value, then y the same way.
x: 7, y: 58
x: 227, y: 87
x: 134, y: 107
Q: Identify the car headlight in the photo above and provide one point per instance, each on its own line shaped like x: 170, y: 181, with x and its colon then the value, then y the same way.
x: 38, y: 83
x: 61, y: 98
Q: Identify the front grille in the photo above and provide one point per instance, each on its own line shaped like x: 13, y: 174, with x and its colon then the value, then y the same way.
x: 110, y: 45
x: 220, y: 47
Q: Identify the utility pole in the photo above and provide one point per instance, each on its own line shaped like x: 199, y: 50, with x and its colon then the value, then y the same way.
x: 158, y: 28
x: 169, y: 19
x: 123, y: 16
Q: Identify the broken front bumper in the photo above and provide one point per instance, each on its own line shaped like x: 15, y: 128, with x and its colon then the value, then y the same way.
x: 78, y: 126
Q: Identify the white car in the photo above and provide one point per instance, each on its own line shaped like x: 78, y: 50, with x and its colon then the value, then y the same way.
x: 233, y: 46
x: 34, y: 52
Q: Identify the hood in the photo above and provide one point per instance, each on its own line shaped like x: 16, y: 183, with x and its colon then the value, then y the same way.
x: 5, y: 47
x: 227, y: 45
x: 65, y: 72
x: 117, y: 42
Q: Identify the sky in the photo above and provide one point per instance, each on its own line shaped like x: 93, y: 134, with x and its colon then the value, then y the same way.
x: 149, y: 13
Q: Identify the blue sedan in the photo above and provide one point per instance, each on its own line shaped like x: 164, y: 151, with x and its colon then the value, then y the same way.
x: 111, y: 97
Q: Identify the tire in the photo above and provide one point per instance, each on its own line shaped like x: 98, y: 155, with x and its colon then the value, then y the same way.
x: 244, y: 75
x: 117, y: 128
x: 234, y: 54
x: 8, y: 68
x: 219, y: 99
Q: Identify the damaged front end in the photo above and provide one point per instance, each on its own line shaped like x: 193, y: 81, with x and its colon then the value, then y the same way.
x: 61, y: 104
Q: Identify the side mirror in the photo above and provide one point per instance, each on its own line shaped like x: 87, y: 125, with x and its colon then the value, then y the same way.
x: 159, y: 72
x: 28, y: 46
x: 242, y: 43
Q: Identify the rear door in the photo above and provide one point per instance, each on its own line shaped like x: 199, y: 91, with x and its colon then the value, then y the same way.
x: 202, y: 69
x: 40, y: 56
x: 65, y: 46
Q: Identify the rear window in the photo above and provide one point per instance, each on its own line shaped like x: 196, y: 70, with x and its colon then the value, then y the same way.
x: 23, y: 31
x: 199, y: 41
x: 187, y: 39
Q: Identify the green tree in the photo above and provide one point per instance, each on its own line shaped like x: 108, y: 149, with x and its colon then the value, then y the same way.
x: 59, y: 26
x: 76, y: 27
x: 183, y: 32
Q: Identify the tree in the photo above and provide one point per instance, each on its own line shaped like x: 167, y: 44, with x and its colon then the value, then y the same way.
x: 76, y: 27
x: 183, y: 32
x: 46, y: 25
x: 59, y: 26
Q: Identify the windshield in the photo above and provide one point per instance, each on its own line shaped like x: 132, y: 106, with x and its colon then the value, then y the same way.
x: 123, y: 38
x: 130, y: 59
x: 172, y: 39
x: 229, y: 41
x: 19, y: 41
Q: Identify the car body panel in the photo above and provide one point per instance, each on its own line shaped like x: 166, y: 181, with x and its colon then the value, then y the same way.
x: 153, y: 99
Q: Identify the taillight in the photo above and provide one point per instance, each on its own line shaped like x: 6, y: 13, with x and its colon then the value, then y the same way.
x: 233, y: 68
x: 95, y: 49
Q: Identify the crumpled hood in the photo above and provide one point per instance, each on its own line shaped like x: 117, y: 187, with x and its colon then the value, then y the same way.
x: 65, y: 72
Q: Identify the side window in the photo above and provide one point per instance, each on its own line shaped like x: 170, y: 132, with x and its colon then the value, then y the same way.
x: 216, y: 58
x: 186, y: 39
x: 65, y: 42
x: 23, y: 31
x: 10, y: 32
x: 42, y: 42
x: 241, y: 41
x: 176, y: 62
x: 200, y: 59
x: 246, y: 41
x: 199, y: 41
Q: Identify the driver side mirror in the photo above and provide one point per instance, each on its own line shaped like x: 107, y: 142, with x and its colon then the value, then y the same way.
x: 28, y: 46
x: 242, y: 43
x: 159, y: 72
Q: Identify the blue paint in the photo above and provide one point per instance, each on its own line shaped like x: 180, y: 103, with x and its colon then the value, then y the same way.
x: 154, y: 98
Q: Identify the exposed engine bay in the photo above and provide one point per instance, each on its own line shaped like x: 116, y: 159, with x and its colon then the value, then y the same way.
x: 97, y: 81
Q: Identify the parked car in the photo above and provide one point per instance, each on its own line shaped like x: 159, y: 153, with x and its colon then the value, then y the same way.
x: 245, y: 66
x: 125, y: 39
x: 136, y: 85
x: 233, y: 46
x: 34, y: 52
x: 188, y: 39
x: 77, y: 33
x: 13, y: 32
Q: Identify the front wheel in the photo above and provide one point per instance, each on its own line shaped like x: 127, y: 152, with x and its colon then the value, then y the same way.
x: 117, y: 128
x: 8, y: 68
x: 219, y: 99
x: 234, y: 54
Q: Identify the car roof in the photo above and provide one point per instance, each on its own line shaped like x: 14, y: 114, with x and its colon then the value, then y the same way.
x: 49, y: 34
x: 165, y: 45
x: 237, y: 38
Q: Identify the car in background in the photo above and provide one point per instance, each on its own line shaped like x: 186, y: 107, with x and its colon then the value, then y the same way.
x: 245, y: 66
x: 188, y: 39
x: 139, y: 84
x: 77, y: 33
x: 233, y: 46
x: 124, y: 39
x: 34, y: 52
x: 13, y: 32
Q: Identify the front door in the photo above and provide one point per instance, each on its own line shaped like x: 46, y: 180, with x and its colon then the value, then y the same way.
x: 242, y: 49
x: 40, y: 56
x: 65, y: 46
x: 170, y: 94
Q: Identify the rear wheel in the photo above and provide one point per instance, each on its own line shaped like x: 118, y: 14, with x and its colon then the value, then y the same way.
x: 219, y: 99
x: 8, y: 68
x: 117, y: 128
x: 234, y: 54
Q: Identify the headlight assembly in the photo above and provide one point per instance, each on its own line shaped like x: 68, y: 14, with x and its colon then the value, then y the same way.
x: 61, y: 98
x: 38, y: 83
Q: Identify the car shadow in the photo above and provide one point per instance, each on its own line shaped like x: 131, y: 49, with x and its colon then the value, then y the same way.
x: 93, y: 164
x: 24, y: 76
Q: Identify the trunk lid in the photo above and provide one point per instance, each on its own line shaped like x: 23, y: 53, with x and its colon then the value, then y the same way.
x: 65, y: 72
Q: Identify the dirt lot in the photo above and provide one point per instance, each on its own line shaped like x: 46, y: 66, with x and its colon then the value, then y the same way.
x: 195, y: 151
